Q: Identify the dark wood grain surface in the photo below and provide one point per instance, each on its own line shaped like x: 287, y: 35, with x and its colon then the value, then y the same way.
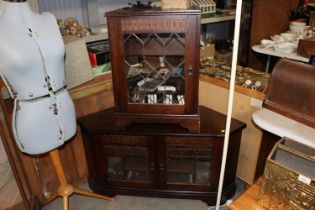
x: 153, y: 11
x: 212, y: 123
x: 154, y: 21
x: 99, y: 135
x: 291, y: 91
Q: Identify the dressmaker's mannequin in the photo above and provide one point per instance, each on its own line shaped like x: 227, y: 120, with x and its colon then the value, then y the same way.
x: 32, y: 65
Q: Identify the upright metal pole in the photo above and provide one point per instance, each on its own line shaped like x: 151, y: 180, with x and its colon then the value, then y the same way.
x: 231, y: 97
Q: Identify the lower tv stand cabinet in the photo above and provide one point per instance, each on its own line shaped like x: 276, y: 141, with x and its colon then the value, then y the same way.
x: 160, y: 160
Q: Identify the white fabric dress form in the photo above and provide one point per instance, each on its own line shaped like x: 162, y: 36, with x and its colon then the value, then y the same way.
x: 32, y: 65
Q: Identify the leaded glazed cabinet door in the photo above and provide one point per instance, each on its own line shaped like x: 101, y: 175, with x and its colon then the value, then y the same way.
x: 155, y: 61
x: 128, y: 160
x: 189, y: 163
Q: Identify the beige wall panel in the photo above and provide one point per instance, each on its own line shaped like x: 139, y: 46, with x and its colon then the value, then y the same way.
x: 216, y: 97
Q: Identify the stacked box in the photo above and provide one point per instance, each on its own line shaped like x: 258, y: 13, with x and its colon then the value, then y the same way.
x: 289, y: 177
x: 99, y: 56
x: 98, y: 52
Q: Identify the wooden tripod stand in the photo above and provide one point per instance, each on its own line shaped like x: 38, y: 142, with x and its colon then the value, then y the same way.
x: 65, y: 189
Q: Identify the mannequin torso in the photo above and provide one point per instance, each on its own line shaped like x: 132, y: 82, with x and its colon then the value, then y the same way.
x: 32, y: 65
x: 33, y: 42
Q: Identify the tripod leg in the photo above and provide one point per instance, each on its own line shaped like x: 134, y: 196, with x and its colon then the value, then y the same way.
x: 65, y: 189
x: 92, y: 194
x: 65, y: 202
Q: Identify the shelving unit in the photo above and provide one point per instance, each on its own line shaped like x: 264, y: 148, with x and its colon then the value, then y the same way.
x: 218, y: 27
x: 217, y: 19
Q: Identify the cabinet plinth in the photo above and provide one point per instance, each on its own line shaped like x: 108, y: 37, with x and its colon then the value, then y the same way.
x: 155, y: 64
x: 159, y: 159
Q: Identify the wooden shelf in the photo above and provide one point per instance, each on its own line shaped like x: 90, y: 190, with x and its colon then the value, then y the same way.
x: 135, y: 165
x: 239, y: 89
x: 98, y: 84
x: 120, y: 151
x: 96, y: 37
x: 217, y: 19
x: 181, y: 166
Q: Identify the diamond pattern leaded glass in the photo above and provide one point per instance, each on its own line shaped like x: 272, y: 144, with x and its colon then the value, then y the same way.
x: 154, y: 65
x: 128, y: 163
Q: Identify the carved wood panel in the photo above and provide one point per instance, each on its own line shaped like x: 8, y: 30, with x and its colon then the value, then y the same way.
x: 154, y: 24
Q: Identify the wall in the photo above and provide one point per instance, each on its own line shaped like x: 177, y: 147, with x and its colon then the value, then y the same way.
x: 269, y: 17
x: 216, y: 98
x: 63, y: 9
x: 79, y: 9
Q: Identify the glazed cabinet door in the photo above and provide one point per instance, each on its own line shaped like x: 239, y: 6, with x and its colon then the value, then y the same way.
x: 156, y: 63
x: 190, y: 163
x: 126, y: 161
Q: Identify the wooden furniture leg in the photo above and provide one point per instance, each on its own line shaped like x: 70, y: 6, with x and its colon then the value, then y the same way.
x: 65, y: 189
x: 65, y: 203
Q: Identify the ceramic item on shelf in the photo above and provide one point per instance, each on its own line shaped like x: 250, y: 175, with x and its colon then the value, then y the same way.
x: 285, y: 47
x: 277, y: 38
x: 71, y: 22
x: 82, y: 31
x: 73, y: 30
x: 239, y: 80
x: 307, y: 32
x: 226, y: 67
x: 266, y: 43
x: 296, y: 29
x: 62, y: 27
x: 257, y: 85
x: 222, y: 77
x: 298, y: 23
x: 289, y: 36
x: 247, y: 83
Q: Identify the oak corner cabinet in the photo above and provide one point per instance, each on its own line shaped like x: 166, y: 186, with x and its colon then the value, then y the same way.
x: 155, y: 65
x: 159, y: 159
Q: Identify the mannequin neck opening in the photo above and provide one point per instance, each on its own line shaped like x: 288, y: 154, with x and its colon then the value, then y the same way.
x: 16, y: 9
x: 15, y: 1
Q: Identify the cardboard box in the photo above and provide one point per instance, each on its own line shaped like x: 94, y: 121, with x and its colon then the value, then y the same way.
x: 223, y: 57
x: 207, y: 51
